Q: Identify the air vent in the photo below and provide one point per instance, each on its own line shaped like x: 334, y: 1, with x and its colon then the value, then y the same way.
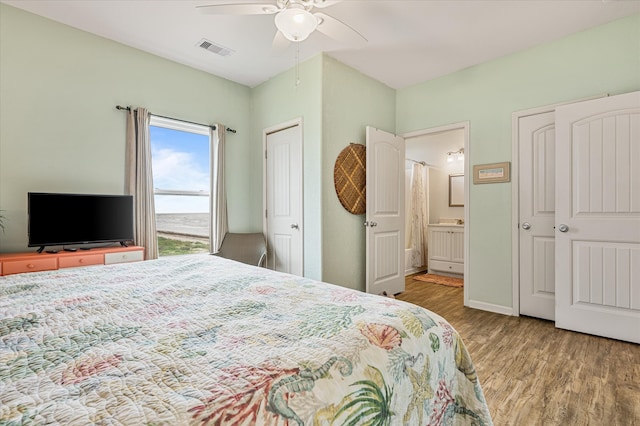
x: 214, y: 48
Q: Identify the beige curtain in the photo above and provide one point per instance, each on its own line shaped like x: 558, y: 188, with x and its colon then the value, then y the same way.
x: 140, y: 181
x: 419, y: 217
x: 219, y: 222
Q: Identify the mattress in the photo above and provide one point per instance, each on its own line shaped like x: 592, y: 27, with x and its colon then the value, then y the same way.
x: 203, y: 340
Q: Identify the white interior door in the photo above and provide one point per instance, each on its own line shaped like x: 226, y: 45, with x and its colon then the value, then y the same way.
x: 385, y: 212
x: 283, y: 189
x: 536, y: 147
x: 598, y: 217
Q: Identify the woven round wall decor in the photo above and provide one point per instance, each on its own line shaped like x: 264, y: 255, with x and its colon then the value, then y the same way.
x: 350, y: 178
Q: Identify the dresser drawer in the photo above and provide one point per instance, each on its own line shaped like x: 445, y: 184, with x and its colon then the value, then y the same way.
x: 123, y: 257
x: 30, y: 265
x: 451, y: 267
x: 84, y: 260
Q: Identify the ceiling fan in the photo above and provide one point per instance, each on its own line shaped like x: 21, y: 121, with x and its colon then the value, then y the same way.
x: 293, y: 18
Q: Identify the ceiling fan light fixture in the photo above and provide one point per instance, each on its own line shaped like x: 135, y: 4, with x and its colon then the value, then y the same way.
x: 296, y: 23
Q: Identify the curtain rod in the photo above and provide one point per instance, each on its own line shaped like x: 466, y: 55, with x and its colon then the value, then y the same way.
x: 177, y: 119
x: 416, y: 161
x: 423, y: 163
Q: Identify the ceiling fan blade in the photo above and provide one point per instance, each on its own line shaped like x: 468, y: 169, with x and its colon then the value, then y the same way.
x: 239, y: 9
x: 338, y: 30
x: 325, y: 3
x: 280, y: 43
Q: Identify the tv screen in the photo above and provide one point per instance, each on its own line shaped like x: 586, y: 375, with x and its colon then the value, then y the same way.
x: 65, y: 219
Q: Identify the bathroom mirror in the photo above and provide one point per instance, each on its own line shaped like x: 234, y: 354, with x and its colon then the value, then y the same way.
x: 456, y: 190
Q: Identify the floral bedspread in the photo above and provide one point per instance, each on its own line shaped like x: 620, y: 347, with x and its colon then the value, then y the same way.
x: 208, y: 341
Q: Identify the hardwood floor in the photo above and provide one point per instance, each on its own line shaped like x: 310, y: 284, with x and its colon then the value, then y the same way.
x: 535, y: 374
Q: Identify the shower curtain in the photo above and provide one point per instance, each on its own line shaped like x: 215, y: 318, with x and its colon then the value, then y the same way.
x: 419, y: 217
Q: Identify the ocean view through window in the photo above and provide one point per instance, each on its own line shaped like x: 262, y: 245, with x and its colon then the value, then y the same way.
x: 181, y: 179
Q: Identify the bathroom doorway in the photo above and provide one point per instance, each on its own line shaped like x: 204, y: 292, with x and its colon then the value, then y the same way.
x: 435, y: 161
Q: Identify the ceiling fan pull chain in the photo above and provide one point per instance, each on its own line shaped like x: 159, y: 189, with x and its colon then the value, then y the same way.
x: 297, y: 64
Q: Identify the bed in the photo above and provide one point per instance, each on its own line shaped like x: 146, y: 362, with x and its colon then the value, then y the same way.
x: 204, y: 340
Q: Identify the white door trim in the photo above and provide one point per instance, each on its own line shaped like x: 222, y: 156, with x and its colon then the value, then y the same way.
x: 515, y: 194
x: 265, y: 132
x: 464, y: 125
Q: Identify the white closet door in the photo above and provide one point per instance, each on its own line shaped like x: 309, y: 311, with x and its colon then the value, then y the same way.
x: 598, y: 217
x: 284, y: 200
x: 537, y: 153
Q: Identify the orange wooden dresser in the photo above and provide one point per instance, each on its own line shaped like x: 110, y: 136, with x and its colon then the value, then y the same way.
x: 18, y: 263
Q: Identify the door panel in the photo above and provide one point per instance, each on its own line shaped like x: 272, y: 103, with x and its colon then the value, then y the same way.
x: 385, y: 212
x: 440, y: 244
x: 284, y: 200
x: 386, y: 244
x: 536, y: 147
x: 281, y: 249
x: 457, y: 246
x: 598, y: 206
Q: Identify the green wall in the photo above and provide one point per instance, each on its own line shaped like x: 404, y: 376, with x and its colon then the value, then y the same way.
x: 350, y: 102
x: 336, y: 103
x: 60, y: 131
x: 283, y: 98
x: 604, y: 59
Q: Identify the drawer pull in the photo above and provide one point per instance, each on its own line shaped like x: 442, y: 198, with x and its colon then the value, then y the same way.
x: 30, y: 265
x: 80, y: 260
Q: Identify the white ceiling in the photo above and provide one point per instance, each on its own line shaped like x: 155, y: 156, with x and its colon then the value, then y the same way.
x: 408, y: 41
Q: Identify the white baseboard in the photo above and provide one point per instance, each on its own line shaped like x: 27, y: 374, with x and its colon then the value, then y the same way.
x: 490, y: 307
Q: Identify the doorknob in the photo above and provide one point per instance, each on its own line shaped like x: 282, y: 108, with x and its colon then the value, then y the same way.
x: 294, y: 226
x: 373, y: 224
x: 526, y: 226
x: 563, y: 228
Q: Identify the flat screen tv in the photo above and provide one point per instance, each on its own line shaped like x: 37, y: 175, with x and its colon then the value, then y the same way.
x: 71, y: 219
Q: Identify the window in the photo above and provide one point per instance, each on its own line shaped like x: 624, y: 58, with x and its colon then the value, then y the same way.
x: 180, y: 154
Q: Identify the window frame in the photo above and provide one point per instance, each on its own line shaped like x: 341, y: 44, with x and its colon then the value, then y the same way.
x: 193, y: 128
x: 182, y: 126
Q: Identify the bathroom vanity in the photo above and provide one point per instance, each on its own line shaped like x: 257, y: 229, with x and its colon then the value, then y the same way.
x: 446, y: 248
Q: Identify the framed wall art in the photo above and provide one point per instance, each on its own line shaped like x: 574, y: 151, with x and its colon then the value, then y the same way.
x: 492, y: 173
